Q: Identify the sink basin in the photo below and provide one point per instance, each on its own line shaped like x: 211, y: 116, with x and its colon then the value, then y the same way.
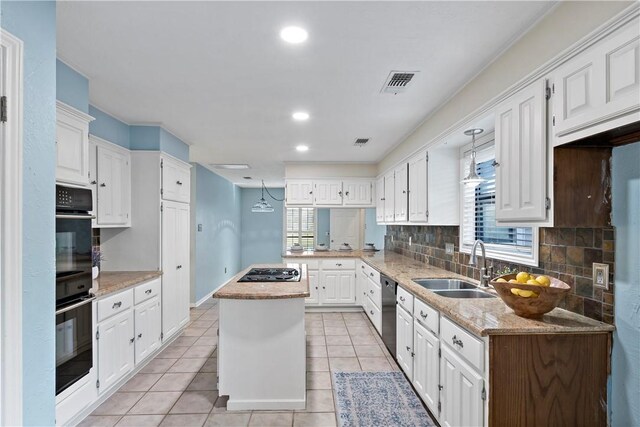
x: 462, y: 293
x: 434, y: 284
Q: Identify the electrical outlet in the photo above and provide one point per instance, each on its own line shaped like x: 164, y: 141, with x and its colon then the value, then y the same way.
x: 225, y: 270
x: 199, y: 227
x: 448, y: 248
x: 601, y: 275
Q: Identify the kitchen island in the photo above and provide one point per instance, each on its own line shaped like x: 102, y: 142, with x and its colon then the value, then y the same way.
x: 261, y: 344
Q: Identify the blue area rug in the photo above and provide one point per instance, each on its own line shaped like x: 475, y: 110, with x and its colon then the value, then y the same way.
x: 366, y: 399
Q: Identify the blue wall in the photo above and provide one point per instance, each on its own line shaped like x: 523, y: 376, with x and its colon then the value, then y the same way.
x: 217, y: 246
x: 35, y: 24
x: 170, y: 144
x: 373, y: 233
x: 109, y: 128
x: 261, y: 238
x: 625, y: 380
x: 156, y: 138
x: 72, y: 88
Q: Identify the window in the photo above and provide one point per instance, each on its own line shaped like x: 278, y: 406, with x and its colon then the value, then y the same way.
x: 300, y: 226
x: 514, y: 244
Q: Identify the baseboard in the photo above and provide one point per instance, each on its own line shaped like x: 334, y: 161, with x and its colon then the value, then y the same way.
x: 266, y: 405
x: 333, y: 309
x: 208, y: 296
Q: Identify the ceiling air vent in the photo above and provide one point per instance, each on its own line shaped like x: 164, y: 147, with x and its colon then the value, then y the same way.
x: 397, y: 81
x: 361, y: 142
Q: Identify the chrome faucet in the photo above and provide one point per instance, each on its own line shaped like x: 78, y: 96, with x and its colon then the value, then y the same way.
x: 485, y: 273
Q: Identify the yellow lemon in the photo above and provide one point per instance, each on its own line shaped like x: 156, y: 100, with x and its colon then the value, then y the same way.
x: 500, y: 280
x: 522, y: 277
x: 515, y: 291
x: 533, y: 282
x: 543, y: 280
x: 513, y: 281
x: 527, y: 294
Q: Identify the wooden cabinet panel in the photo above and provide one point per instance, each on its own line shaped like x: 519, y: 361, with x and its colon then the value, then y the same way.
x: 389, y: 197
x: 72, y: 145
x: 357, y: 192
x: 115, y: 349
x: 328, y: 192
x: 380, y: 200
x: 299, y: 192
x: 313, y: 288
x: 462, y: 389
x: 176, y: 180
x: 404, y: 341
x: 418, y: 188
x: 426, y: 366
x: 113, y: 186
x: 401, y: 197
x: 147, y: 328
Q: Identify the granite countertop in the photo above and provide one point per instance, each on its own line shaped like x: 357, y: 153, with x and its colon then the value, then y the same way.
x: 482, y: 316
x: 265, y: 290
x: 109, y: 282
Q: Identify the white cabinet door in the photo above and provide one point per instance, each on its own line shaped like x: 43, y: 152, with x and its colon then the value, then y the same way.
x: 328, y: 192
x: 337, y: 287
x: 113, y: 186
x: 418, y: 188
x: 299, y: 192
x: 147, y: 326
x: 404, y: 341
x: 362, y: 282
x: 357, y: 193
x: 176, y: 180
x: 115, y: 349
x: 598, y: 86
x: 183, y: 254
x: 380, y: 200
x: 426, y: 366
x: 389, y: 199
x: 521, y: 156
x: 93, y: 180
x: 401, y: 199
x: 72, y: 145
x: 313, y: 288
x: 461, y: 396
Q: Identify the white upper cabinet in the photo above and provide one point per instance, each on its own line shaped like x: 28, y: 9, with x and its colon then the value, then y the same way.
x: 598, y: 89
x: 521, y: 156
x: 418, y: 189
x: 357, y: 192
x: 72, y: 145
x: 401, y: 199
x: 176, y: 180
x: 380, y: 200
x: 389, y: 199
x: 328, y: 192
x: 113, y: 185
x: 299, y: 192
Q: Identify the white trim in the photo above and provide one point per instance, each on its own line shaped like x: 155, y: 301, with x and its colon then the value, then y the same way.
x: 545, y: 69
x: 209, y: 295
x: 111, y: 145
x: 74, y: 112
x: 11, y: 230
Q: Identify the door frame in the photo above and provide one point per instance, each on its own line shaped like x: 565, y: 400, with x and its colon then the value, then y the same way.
x: 11, y: 409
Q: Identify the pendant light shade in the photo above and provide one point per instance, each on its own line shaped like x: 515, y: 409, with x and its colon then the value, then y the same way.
x: 473, y: 179
x: 263, y: 206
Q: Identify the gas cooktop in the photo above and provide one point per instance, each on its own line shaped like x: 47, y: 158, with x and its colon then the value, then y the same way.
x: 271, y: 275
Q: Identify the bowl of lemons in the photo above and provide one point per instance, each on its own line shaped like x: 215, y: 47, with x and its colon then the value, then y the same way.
x: 530, y: 295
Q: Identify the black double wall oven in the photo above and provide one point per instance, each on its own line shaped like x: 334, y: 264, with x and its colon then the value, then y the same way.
x: 74, y: 313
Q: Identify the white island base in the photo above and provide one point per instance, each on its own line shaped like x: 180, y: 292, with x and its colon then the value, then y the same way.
x: 262, y: 353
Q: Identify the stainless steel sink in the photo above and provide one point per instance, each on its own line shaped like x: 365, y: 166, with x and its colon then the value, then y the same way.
x: 434, y: 284
x: 462, y: 293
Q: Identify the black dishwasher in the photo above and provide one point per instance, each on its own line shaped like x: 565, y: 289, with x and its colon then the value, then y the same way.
x: 389, y: 290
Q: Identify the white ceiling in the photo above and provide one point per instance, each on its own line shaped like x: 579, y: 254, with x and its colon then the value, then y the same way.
x: 218, y: 76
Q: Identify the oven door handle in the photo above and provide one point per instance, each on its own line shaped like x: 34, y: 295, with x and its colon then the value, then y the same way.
x: 74, y: 306
x: 75, y: 216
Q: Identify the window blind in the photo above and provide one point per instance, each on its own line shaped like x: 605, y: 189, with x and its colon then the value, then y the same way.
x: 301, y: 227
x: 479, y: 212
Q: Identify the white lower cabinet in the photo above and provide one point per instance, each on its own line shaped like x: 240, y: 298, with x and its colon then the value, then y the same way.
x: 404, y: 340
x: 314, y: 295
x: 331, y: 281
x: 426, y: 365
x: 116, y: 355
x: 338, y: 287
x: 148, y: 328
x: 462, y: 392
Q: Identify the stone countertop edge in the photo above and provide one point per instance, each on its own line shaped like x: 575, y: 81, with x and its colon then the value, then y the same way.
x: 483, y: 317
x: 109, y: 282
x: 265, y: 290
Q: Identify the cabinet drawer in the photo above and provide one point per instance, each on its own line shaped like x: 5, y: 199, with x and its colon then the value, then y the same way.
x: 338, y: 264
x: 146, y: 291
x: 374, y: 292
x: 312, y: 264
x: 372, y: 273
x: 405, y: 299
x: 463, y: 343
x: 374, y: 313
x: 426, y: 315
x: 114, y: 304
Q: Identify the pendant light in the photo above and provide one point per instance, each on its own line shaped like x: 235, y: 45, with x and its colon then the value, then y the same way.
x: 472, y: 179
x: 263, y: 206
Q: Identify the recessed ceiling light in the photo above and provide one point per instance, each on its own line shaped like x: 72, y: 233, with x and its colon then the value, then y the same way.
x: 230, y: 166
x: 300, y: 116
x: 302, y: 148
x: 293, y: 35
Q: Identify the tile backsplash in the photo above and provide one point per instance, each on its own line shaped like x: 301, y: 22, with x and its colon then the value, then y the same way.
x: 565, y: 253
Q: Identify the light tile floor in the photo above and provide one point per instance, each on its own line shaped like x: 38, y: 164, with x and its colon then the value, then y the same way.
x: 178, y: 387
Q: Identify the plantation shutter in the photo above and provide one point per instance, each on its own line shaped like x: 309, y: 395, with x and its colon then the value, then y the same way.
x: 301, y: 227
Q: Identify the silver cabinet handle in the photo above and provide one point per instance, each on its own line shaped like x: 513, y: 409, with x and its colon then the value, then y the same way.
x: 371, y: 274
x: 132, y: 339
x: 347, y: 193
x: 457, y: 341
x: 324, y: 287
x: 402, y: 298
x: 338, y: 264
x: 94, y: 182
x: 103, y: 185
x: 340, y: 193
x: 148, y: 291
x: 371, y: 311
x: 139, y: 336
x: 371, y: 291
x: 495, y: 164
x: 117, y: 305
x: 179, y: 182
x: 408, y: 348
x: 178, y: 267
x: 424, y: 315
x: 74, y: 306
